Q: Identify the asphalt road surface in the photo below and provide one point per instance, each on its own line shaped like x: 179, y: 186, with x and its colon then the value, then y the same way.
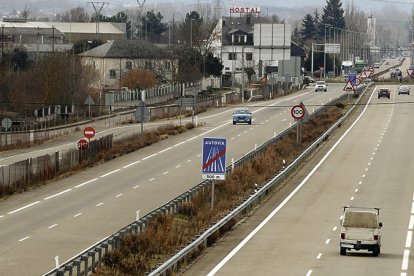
x: 370, y: 165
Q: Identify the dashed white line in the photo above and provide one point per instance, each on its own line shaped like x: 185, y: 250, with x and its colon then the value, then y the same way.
x: 77, y: 215
x: 366, y: 169
x: 352, y: 198
x: 356, y: 190
x: 87, y: 182
x: 199, y: 155
x: 165, y: 172
x: 341, y: 217
x: 232, y: 138
x: 406, y: 257
x: 360, y: 182
x: 177, y: 166
x: 372, y: 158
x: 412, y: 209
x: 188, y: 161
x: 99, y: 204
x: 408, y: 239
x: 327, y: 241
x: 25, y: 238
x: 152, y: 179
x: 118, y: 195
x: 363, y: 176
x: 51, y: 226
x: 129, y: 165
x: 152, y: 155
x: 309, y: 273
x: 369, y: 164
x: 136, y: 187
x: 1, y: 216
x: 319, y: 256
x: 334, y: 229
x: 24, y: 207
x: 411, y: 224
x: 58, y: 194
x: 114, y: 171
x: 239, y: 135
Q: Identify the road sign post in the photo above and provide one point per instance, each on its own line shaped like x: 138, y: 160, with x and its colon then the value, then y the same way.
x: 213, y: 161
x: 298, y: 113
x: 83, y: 144
x: 89, y: 132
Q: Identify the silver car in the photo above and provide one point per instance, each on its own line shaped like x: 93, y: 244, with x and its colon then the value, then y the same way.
x: 404, y: 89
x: 242, y: 116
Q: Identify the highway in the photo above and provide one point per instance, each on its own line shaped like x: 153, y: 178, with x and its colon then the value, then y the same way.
x: 370, y: 165
x: 70, y: 214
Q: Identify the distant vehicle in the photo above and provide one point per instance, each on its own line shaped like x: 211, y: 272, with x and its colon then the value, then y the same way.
x: 384, y: 92
x: 242, y: 116
x: 404, y: 89
x: 308, y: 79
x: 360, y: 65
x: 376, y: 65
x: 360, y: 230
x: 321, y: 86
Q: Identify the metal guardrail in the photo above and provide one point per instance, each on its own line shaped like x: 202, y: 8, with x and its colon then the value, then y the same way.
x: 90, y: 258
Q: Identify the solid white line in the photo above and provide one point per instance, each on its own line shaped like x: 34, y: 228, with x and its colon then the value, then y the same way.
x: 319, y: 256
x: 328, y: 241
x: 283, y: 203
x: 334, y: 229
x: 24, y: 207
x: 412, y: 209
x: 176, y: 145
x: 413, y: 197
x: 188, y: 140
x: 408, y: 239
x: 99, y: 204
x: 406, y: 257
x: 309, y: 273
x: 411, y: 224
x: 129, y: 165
x: 87, y: 182
x: 152, y: 155
x: 25, y: 238
x: 51, y: 226
x: 114, y: 171
x: 164, y: 150
x: 77, y: 215
x: 52, y: 196
x: 151, y: 179
x: 118, y: 195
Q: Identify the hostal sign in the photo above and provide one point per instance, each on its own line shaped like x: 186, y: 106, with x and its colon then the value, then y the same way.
x: 244, y: 9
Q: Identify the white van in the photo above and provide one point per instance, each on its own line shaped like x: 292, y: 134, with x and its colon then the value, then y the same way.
x: 360, y: 230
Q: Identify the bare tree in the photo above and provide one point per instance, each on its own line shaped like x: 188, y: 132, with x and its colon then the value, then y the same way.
x: 77, y: 14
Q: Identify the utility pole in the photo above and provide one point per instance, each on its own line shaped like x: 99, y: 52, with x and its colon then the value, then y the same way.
x: 97, y: 6
x: 141, y: 4
x: 2, y: 43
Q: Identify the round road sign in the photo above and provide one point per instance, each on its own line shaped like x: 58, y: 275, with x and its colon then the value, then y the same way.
x: 83, y: 144
x: 89, y: 132
x: 6, y: 123
x: 297, y: 112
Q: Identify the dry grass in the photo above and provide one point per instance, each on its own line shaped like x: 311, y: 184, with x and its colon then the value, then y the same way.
x: 168, y: 233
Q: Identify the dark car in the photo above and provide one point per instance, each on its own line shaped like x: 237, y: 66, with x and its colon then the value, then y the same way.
x: 384, y: 92
x: 242, y: 116
x: 403, y: 89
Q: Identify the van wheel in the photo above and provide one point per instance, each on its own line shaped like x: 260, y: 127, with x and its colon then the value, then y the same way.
x: 342, y: 251
x: 376, y: 252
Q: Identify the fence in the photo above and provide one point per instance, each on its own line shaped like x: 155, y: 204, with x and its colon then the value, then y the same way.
x: 22, y: 174
x: 90, y: 258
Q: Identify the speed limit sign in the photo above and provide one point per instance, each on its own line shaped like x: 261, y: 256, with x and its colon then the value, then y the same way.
x: 298, y: 112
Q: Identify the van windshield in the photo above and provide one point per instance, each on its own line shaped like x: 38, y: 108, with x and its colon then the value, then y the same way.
x: 360, y: 219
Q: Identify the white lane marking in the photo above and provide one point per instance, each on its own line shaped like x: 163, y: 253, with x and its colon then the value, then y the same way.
x: 177, y: 166
x: 366, y: 169
x: 411, y: 224
x: 77, y: 215
x: 283, y: 203
x: 239, y: 135
x: 408, y: 239
x: 309, y: 273
x: 319, y: 256
x: 114, y: 171
x: 136, y: 187
x: 188, y: 160
x: 334, y: 229
x: 165, y: 172
x: 356, y: 190
x: 176, y: 145
x: 25, y: 238
x: 99, y: 204
x: 372, y: 158
x: 373, y: 153
x: 363, y: 176
x: 284, y: 120
x: 360, y: 182
x: 199, y: 155
x: 87, y: 182
x: 188, y: 140
x: 327, y: 241
x: 369, y: 164
x: 24, y: 207
x: 51, y: 226
x: 58, y: 194
x: 152, y: 179
x: 152, y: 155
x: 413, y: 197
x: 352, y: 198
x: 118, y: 195
x: 406, y: 257
x: 341, y: 217
x: 232, y: 138
x: 1, y: 216
x: 133, y: 163
x: 403, y: 274
x: 412, y: 209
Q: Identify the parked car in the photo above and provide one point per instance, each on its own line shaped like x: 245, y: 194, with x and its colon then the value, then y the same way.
x: 308, y: 79
x: 360, y: 230
x: 321, y: 86
x: 404, y: 89
x: 242, y: 116
x: 384, y: 92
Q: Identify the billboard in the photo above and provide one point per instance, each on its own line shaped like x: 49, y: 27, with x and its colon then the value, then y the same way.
x: 271, y: 41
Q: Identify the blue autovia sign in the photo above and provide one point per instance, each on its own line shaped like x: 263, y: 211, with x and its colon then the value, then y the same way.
x: 214, y: 158
x: 352, y: 78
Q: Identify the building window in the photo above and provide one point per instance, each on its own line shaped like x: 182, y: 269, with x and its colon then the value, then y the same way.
x: 128, y: 65
x: 148, y: 65
x: 240, y: 38
x: 232, y: 56
x: 238, y: 69
x: 112, y: 73
x: 227, y: 68
x: 167, y: 65
x: 249, y: 56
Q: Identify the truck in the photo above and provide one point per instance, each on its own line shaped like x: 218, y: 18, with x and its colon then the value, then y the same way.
x: 360, y: 230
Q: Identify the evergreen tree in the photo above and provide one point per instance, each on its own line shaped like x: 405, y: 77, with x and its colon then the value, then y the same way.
x: 333, y: 14
x: 308, y: 31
